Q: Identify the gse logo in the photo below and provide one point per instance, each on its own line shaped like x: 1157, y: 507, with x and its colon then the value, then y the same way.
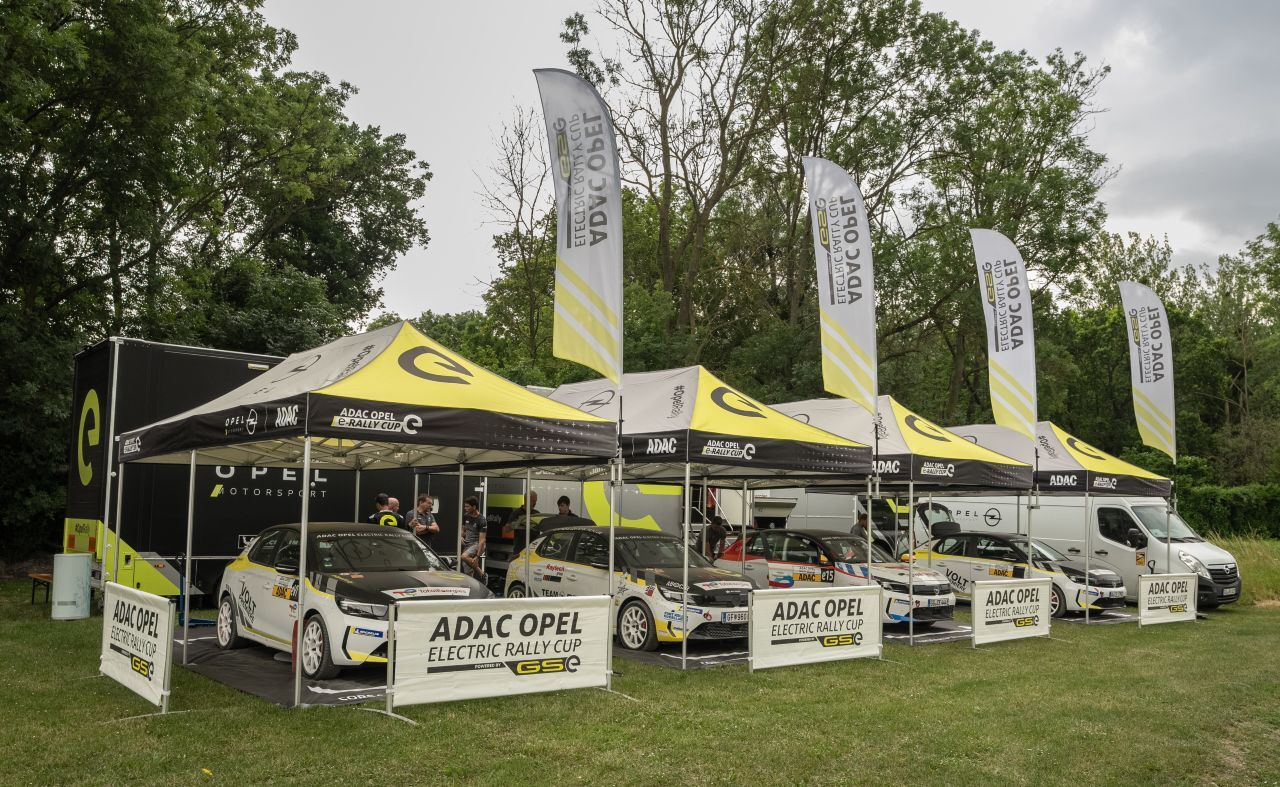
x: 141, y: 666
x: 545, y: 666
x: 1177, y: 607
x: 841, y: 640
x: 1024, y: 622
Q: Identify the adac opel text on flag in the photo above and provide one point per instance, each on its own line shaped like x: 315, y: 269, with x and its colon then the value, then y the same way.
x: 1011, y: 341
x: 846, y: 287
x: 588, y: 186
x: 1150, y: 366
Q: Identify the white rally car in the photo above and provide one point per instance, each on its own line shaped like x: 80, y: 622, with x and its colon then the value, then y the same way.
x: 971, y: 557
x: 355, y: 572
x: 574, y: 561
x: 818, y: 558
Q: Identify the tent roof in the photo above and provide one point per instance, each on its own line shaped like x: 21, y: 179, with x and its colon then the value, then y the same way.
x: 910, y: 447
x: 689, y: 415
x: 1065, y: 463
x: 387, y: 398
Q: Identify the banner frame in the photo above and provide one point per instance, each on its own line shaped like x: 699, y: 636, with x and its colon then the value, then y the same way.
x: 852, y: 590
x: 166, y: 648
x: 1041, y: 582
x: 1193, y: 593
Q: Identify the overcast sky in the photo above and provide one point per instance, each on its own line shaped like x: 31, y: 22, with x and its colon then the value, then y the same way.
x: 1192, y: 120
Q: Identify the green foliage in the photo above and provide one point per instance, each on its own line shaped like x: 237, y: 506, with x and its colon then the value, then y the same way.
x: 1249, y: 510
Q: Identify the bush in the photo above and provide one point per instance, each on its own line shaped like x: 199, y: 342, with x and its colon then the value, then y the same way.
x: 1232, y: 510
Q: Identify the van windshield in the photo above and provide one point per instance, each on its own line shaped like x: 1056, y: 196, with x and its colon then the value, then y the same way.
x: 1153, y: 519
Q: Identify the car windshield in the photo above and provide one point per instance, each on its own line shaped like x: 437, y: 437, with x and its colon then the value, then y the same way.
x: 1043, y: 550
x: 1153, y: 519
x: 854, y: 550
x: 656, y: 553
x: 391, y: 551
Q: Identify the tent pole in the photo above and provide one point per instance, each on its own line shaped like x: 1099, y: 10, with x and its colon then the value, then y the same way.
x: 868, y: 578
x: 115, y: 574
x: 107, y: 467
x: 186, y: 569
x: 911, y: 564
x: 1088, y: 549
x: 414, y: 504
x: 746, y: 515
x: 1168, y: 515
x: 355, y: 515
x: 615, y: 477
x: 302, y: 572
x: 461, y: 493
x: 928, y: 533
x: 528, y: 530
x: 684, y: 601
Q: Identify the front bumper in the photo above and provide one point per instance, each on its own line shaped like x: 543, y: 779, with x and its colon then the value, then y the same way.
x: 704, y: 622
x: 898, y: 608
x: 1101, y: 598
x: 1210, y: 594
x: 363, y: 640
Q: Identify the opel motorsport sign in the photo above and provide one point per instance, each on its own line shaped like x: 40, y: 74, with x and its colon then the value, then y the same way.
x: 1150, y: 366
x: 846, y: 288
x: 1166, y: 598
x: 137, y: 629
x: 1011, y: 343
x: 1011, y: 609
x: 812, y: 625
x: 456, y: 650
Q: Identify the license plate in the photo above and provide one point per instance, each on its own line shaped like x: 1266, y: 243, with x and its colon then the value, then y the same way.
x: 1229, y: 591
x: 1115, y: 593
x: 938, y: 602
x: 735, y: 617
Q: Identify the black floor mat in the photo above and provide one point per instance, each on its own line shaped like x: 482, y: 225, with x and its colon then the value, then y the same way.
x: 941, y: 631
x: 1125, y: 615
x: 256, y: 670
x: 715, y: 653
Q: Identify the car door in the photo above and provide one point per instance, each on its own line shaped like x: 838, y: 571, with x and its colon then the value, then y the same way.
x: 793, y: 560
x: 587, y: 571
x: 756, y: 568
x: 995, y: 558
x: 548, y: 573
x: 251, y: 584
x: 950, y: 557
x: 278, y: 607
x: 1111, y: 543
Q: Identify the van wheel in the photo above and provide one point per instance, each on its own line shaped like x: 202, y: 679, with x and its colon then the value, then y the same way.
x: 228, y: 627
x: 635, y: 627
x: 317, y: 661
x: 1057, y: 604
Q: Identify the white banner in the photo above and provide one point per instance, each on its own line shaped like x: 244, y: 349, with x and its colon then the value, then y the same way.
x: 1011, y: 609
x: 1150, y: 366
x: 137, y: 641
x: 1011, y: 343
x: 588, y: 183
x: 846, y: 287
x: 457, y: 650
x: 1166, y: 598
x: 805, y: 626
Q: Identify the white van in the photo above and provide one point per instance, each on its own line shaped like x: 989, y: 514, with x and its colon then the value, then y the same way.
x: 1126, y: 533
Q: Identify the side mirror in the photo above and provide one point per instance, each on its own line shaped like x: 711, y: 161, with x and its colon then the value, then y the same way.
x: 823, y: 559
x: 1136, y: 539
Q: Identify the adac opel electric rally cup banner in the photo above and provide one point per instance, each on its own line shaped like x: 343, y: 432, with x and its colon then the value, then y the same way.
x: 1166, y: 598
x: 1011, y: 609
x: 457, y: 650
x: 806, y: 626
x: 137, y: 628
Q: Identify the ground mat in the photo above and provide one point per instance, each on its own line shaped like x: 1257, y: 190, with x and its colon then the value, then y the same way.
x: 256, y: 670
x: 941, y: 631
x: 1102, y: 618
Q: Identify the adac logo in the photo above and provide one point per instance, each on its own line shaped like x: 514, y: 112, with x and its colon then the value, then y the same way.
x: 598, y: 401
x: 287, y: 416
x: 89, y: 433
x: 443, y: 369
x: 1085, y: 448
x: 922, y: 427
x: 741, y: 404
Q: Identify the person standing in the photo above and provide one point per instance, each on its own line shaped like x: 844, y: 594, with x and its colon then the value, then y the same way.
x: 474, y: 536
x: 385, y: 514
x: 714, y: 537
x: 423, y: 521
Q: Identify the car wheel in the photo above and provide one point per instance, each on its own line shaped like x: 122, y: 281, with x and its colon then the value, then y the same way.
x: 1057, y: 603
x: 635, y: 627
x: 317, y: 661
x: 516, y: 591
x: 228, y: 627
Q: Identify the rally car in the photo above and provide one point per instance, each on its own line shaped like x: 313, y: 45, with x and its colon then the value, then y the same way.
x: 650, y: 598
x: 966, y: 558
x: 354, y: 572
x: 818, y: 558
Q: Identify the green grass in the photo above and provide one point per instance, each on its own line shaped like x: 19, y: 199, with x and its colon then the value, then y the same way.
x: 1259, y: 561
x: 1195, y: 703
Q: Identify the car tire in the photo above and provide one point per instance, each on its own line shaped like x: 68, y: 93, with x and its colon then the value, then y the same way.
x: 228, y: 625
x: 313, y: 650
x: 1057, y: 603
x: 635, y: 627
x: 516, y: 591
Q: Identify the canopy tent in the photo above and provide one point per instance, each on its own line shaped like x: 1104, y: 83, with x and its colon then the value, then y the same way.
x: 1065, y: 463
x: 386, y: 398
x: 910, y: 448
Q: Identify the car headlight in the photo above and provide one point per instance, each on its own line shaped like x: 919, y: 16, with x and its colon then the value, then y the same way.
x: 671, y: 594
x: 362, y: 610
x: 1192, y: 562
x: 894, y: 587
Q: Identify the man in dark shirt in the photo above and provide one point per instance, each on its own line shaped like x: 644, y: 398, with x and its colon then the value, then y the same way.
x: 713, y: 537
x: 474, y: 535
x: 422, y: 521
x: 385, y: 515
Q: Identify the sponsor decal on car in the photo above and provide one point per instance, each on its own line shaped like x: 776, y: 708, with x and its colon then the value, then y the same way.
x: 723, y: 584
x: 367, y: 632
x: 428, y: 592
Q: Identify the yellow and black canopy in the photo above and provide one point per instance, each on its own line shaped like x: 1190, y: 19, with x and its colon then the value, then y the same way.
x: 1065, y: 463
x: 386, y: 398
x: 910, y: 447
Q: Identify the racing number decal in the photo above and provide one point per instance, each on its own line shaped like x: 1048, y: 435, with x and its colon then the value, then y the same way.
x: 828, y: 575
